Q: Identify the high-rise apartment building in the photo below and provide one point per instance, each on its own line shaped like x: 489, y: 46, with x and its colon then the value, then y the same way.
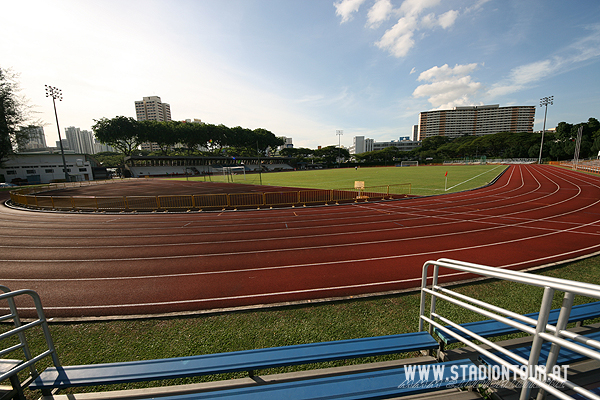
x: 476, y: 120
x: 153, y: 109
x: 80, y: 141
x: 35, y: 138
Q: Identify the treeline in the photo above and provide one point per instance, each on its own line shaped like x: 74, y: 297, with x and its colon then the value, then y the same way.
x: 126, y: 134
x: 558, y: 145
x: 325, y: 155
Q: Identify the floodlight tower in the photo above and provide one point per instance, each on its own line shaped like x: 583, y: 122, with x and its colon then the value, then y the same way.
x: 339, y: 133
x: 56, y: 93
x: 544, y: 101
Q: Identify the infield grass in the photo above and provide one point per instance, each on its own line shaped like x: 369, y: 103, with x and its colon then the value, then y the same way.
x: 424, y: 180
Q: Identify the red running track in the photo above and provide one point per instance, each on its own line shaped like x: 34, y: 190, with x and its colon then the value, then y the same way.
x: 119, y: 264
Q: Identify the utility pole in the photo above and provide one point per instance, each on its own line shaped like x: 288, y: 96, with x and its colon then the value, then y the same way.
x: 544, y: 101
x: 339, y: 133
x: 56, y: 93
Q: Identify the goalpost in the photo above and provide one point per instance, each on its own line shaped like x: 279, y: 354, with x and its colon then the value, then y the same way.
x: 228, y: 172
x: 409, y: 164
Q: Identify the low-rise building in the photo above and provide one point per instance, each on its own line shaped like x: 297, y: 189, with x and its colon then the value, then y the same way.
x: 362, y: 145
x: 33, y: 168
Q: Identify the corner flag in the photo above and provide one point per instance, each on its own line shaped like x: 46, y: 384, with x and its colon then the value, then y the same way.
x: 446, y: 183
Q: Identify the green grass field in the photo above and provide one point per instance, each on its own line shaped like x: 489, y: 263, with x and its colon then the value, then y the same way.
x: 424, y: 180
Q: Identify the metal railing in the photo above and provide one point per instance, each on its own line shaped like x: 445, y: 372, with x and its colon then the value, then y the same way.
x: 29, y: 197
x: 539, y: 329
x: 14, y: 340
x: 591, y: 165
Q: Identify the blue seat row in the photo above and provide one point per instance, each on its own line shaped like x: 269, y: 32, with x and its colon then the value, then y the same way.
x: 491, y: 328
x: 246, y: 360
x: 374, y: 384
x: 381, y: 384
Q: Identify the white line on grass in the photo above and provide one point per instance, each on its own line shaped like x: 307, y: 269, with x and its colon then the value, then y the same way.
x: 476, y: 176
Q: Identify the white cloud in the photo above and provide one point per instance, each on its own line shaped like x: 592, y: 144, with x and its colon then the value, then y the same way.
x: 416, y: 7
x: 582, y: 51
x: 447, y: 19
x: 524, y: 75
x: 477, y: 6
x: 345, y: 8
x: 399, y: 39
x: 445, y: 72
x: 444, y: 21
x: 378, y: 13
x: 448, y: 87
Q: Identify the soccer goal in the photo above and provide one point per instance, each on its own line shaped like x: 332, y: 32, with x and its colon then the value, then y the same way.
x: 409, y: 164
x: 228, y: 172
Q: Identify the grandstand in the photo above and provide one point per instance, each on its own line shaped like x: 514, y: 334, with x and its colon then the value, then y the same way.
x: 141, y: 166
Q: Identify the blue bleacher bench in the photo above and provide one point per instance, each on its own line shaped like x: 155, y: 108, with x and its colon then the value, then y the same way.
x: 245, y: 360
x: 491, y: 328
x: 381, y: 384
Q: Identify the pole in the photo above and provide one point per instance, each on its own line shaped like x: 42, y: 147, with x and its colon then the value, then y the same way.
x: 56, y: 93
x: 577, y: 146
x: 259, y: 166
x: 544, y: 101
x: 339, y: 133
x: 446, y: 184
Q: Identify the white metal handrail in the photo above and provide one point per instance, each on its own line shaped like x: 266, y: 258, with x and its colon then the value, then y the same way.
x: 539, y: 329
x: 18, y: 330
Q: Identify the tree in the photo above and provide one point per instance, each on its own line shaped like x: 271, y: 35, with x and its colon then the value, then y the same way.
x: 13, y: 114
x: 122, y: 133
x: 161, y: 133
x: 109, y: 159
x: 329, y: 154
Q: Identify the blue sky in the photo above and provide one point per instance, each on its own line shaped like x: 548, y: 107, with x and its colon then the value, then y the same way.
x: 304, y: 68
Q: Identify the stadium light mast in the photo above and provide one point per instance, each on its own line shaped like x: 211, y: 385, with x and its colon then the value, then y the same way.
x: 339, y: 133
x: 56, y: 93
x: 544, y: 101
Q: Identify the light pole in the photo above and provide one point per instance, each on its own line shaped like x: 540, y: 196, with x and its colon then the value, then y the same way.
x: 544, y: 101
x: 56, y: 93
x: 339, y: 133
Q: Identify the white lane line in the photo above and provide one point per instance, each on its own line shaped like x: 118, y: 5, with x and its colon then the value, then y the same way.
x: 291, y: 292
x: 315, y: 264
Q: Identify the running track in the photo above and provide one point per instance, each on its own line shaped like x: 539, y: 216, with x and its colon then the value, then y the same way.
x: 97, y: 265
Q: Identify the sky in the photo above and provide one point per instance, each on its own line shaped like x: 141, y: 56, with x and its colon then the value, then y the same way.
x: 303, y: 68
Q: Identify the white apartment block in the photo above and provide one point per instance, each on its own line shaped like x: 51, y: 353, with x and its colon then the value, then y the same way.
x: 362, y: 145
x: 476, y: 120
x: 80, y: 141
x: 288, y: 143
x: 403, y: 144
x: 153, y: 109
